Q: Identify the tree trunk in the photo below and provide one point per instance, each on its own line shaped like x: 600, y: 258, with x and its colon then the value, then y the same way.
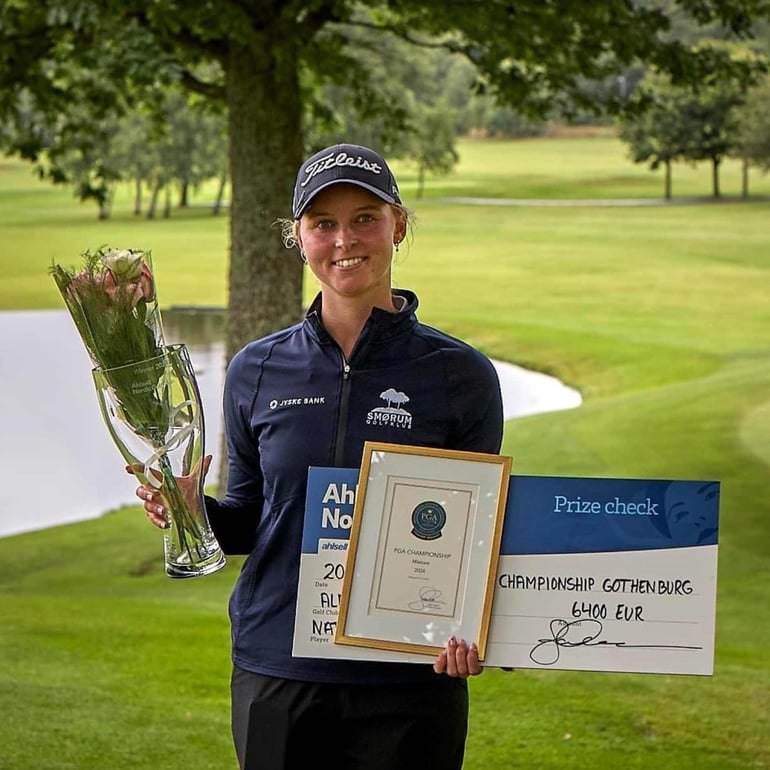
x: 264, y: 121
x: 715, y: 176
x: 184, y: 195
x: 157, y: 187
x: 220, y: 194
x: 667, y: 192
x: 265, y: 151
x: 745, y: 179
x: 105, y: 205
x: 167, y: 204
x: 137, y: 197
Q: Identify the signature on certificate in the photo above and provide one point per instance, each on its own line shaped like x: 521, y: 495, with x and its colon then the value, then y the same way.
x: 428, y: 597
x: 583, y: 633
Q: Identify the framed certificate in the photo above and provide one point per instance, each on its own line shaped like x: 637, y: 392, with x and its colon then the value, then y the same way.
x: 423, y: 548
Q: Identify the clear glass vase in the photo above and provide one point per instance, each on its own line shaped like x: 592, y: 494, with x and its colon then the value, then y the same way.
x: 154, y: 414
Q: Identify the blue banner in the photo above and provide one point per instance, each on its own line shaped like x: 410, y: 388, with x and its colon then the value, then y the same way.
x: 552, y: 514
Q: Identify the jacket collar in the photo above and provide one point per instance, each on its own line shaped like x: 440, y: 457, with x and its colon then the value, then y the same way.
x: 382, y: 324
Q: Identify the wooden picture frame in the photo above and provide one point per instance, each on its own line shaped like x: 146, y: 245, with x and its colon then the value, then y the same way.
x: 423, y: 548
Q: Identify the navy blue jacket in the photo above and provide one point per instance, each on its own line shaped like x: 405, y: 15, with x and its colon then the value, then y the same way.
x: 292, y: 401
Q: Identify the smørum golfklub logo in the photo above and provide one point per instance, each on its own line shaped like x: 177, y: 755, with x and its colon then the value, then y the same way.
x: 393, y: 415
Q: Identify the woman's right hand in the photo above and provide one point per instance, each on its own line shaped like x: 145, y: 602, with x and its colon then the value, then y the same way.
x: 154, y: 504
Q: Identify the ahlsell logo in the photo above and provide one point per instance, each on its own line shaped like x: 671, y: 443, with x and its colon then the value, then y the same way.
x: 393, y: 415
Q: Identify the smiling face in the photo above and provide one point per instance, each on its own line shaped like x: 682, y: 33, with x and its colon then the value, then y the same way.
x: 347, y: 235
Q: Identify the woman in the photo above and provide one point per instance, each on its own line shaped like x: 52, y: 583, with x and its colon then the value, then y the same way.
x: 304, y: 397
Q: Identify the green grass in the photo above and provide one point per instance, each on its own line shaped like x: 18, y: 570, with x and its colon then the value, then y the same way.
x: 40, y: 224
x: 107, y: 663
x: 660, y: 315
x: 577, y: 168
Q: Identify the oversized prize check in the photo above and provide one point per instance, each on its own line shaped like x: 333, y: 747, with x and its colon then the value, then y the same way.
x: 593, y: 575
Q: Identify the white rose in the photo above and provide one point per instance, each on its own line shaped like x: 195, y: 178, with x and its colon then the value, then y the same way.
x: 123, y: 264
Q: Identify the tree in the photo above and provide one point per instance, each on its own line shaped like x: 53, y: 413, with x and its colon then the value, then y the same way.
x: 657, y: 135
x: 709, y: 124
x: 133, y: 143
x: 270, y: 56
x: 690, y: 122
x: 422, y: 126
x: 212, y: 152
x: 432, y: 144
x: 88, y: 160
x: 187, y: 145
x: 752, y: 141
x: 393, y: 396
x: 684, y: 125
x: 75, y: 147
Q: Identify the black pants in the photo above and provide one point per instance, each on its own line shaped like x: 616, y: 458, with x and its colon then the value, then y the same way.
x: 281, y: 724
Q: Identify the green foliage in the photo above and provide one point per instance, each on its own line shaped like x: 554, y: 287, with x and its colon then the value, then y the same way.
x: 657, y: 135
x: 90, y: 118
x: 432, y: 144
x: 185, y: 144
x: 111, y: 664
x: 752, y: 140
x: 361, y: 89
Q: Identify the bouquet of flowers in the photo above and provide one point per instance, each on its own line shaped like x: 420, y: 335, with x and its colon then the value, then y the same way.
x: 147, y: 393
x: 113, y: 303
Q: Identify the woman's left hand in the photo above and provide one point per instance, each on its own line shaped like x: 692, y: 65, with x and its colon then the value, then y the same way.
x: 458, y: 659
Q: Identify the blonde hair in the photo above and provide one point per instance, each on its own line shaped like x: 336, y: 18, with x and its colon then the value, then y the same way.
x: 289, y: 232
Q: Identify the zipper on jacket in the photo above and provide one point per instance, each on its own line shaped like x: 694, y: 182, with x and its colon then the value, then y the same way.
x: 342, y: 421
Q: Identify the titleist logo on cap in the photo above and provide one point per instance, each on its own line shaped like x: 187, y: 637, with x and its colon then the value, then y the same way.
x: 340, y: 159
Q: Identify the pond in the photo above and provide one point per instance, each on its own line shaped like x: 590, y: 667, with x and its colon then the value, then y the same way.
x: 59, y: 464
